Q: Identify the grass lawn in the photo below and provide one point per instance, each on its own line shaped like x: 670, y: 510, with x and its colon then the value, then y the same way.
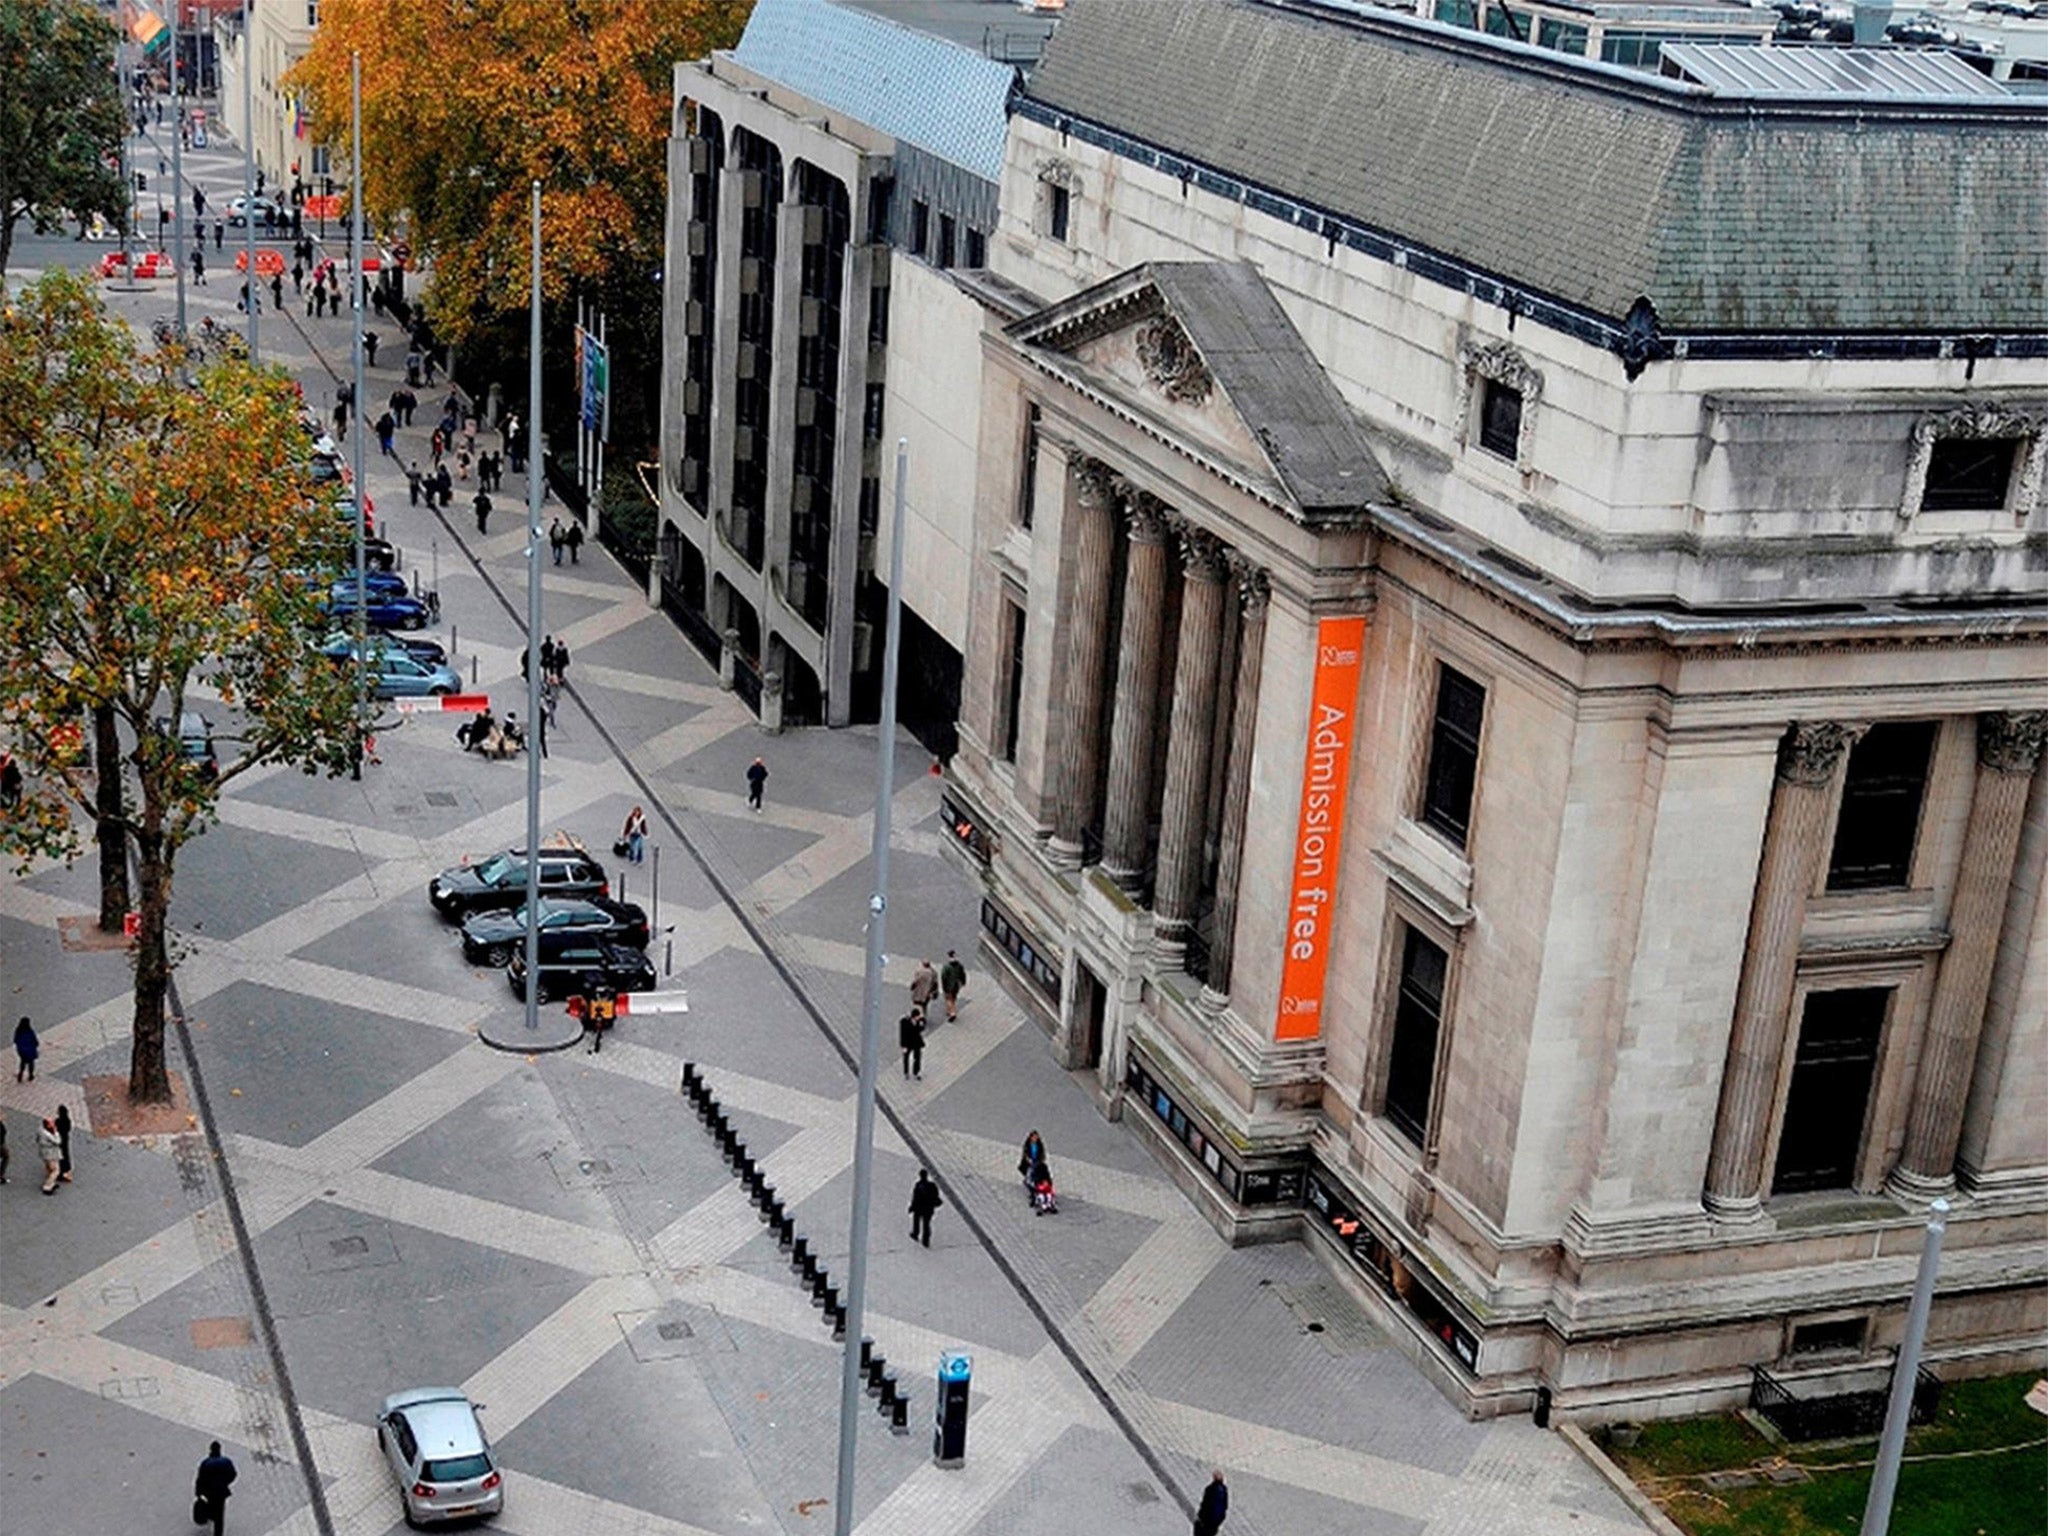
x: 1981, y: 1469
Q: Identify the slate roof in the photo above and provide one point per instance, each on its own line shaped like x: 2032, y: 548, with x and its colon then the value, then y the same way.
x: 1584, y: 183
x: 948, y: 100
x: 1313, y: 444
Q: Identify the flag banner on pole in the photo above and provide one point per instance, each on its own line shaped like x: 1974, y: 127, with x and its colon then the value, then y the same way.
x: 594, y: 367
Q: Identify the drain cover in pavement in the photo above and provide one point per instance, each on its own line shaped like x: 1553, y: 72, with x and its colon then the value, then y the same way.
x: 445, y: 798
x: 338, y: 1248
x: 662, y: 1335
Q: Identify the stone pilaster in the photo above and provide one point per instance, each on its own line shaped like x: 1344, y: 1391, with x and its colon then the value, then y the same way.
x: 2008, y: 751
x: 1077, y: 729
x: 1127, y: 807
x: 1795, y: 841
x: 1192, y: 721
x: 1237, y: 780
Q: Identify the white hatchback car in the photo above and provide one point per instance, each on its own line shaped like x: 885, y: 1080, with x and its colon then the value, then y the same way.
x: 438, y: 1452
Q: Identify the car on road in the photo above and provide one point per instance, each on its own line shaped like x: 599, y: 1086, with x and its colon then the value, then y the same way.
x: 498, y: 883
x: 436, y: 1447
x: 489, y: 938
x: 342, y: 644
x: 195, y: 741
x: 395, y: 675
x: 240, y: 209
x: 380, y: 583
x: 380, y: 611
x: 579, y: 965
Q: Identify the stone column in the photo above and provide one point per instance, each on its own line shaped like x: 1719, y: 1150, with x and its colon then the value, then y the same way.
x: 2008, y: 750
x: 1127, y: 810
x: 1077, y: 728
x: 1188, y: 739
x: 1795, y: 841
x: 1252, y: 594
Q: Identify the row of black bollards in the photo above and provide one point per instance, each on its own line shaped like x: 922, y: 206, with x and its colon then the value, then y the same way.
x: 889, y: 1396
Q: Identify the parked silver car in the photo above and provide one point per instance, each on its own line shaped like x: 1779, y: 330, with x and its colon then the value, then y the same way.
x: 437, y: 1450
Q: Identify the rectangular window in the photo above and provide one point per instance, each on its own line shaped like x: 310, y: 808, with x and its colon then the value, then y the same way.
x: 871, y: 412
x: 1837, y: 1336
x: 1028, y: 492
x: 1500, y: 418
x: 1459, y: 13
x: 1969, y: 474
x: 1453, y: 754
x: 948, y: 238
x: 878, y: 316
x: 1058, y: 207
x: 881, y: 199
x: 977, y: 248
x: 1013, y: 681
x: 1832, y: 1071
x: 920, y: 225
x: 1880, y: 816
x: 1560, y: 36
x: 1418, y: 1025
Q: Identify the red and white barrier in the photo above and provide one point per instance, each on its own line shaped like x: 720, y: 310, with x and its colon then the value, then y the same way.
x: 445, y: 704
x: 639, y: 1002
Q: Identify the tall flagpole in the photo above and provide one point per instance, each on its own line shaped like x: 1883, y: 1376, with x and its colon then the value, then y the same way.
x: 871, y: 1024
x: 249, y: 166
x: 355, y: 289
x: 533, y: 623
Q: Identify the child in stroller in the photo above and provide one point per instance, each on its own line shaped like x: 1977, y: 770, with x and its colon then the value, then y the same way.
x: 1037, y: 1176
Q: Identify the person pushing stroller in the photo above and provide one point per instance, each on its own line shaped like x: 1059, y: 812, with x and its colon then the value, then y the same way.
x: 1037, y: 1175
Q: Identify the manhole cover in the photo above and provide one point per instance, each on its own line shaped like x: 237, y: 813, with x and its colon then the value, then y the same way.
x: 347, y: 1247
x: 338, y: 1248
x: 1142, y: 1493
x: 445, y: 798
x: 662, y: 1335
x: 670, y: 1333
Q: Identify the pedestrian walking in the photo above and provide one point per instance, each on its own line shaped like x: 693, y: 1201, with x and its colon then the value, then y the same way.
x: 412, y: 481
x: 340, y: 422
x: 298, y: 277
x: 63, y: 1124
x: 633, y: 836
x: 444, y: 487
x: 412, y: 366
x: 924, y: 1200
x: 910, y: 1040
x: 483, y: 509
x: 199, y: 202
x: 574, y: 539
x: 1214, y: 1506
x: 319, y: 302
x: 1032, y: 1157
x: 371, y: 341
x: 558, y: 674
x: 10, y: 781
x: 437, y: 446
x: 199, y: 266
x: 924, y: 986
x: 220, y: 233
x: 757, y: 781
x: 50, y: 1148
x: 555, y: 539
x: 26, y: 1049
x: 411, y: 404
x: 952, y: 982
x: 462, y: 464
x: 386, y: 428
x: 211, y: 1488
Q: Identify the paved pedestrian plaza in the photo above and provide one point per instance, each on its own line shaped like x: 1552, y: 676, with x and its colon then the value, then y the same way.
x: 391, y: 1202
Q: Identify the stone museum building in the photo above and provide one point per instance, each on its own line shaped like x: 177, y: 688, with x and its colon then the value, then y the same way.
x: 1507, y: 670
x: 1496, y: 604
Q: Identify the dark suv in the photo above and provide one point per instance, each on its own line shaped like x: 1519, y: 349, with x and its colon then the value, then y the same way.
x: 579, y: 963
x: 499, y: 882
x: 492, y: 938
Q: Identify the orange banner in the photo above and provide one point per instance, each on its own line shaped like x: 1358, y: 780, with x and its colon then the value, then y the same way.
x: 1332, y: 724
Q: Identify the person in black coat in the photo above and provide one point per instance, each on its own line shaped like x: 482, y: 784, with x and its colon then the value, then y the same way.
x: 910, y: 1036
x: 210, y: 1489
x: 924, y: 1200
x: 1209, y: 1514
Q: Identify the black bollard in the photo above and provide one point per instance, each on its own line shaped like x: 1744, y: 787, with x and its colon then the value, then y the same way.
x: 838, y: 1316
x: 867, y: 1352
x: 875, y: 1368
x: 899, y: 1416
x: 800, y: 1253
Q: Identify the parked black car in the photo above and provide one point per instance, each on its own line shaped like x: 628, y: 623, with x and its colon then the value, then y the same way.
x: 498, y: 883
x: 577, y: 965
x: 490, y: 938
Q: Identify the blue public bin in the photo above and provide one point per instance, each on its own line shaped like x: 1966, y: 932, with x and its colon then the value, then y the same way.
x: 949, y: 1413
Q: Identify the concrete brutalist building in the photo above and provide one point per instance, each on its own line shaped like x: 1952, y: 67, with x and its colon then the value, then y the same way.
x: 1505, y: 679
x: 828, y: 177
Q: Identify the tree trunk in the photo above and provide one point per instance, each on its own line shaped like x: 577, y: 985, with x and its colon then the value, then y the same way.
x: 112, y: 825
x: 148, y: 1081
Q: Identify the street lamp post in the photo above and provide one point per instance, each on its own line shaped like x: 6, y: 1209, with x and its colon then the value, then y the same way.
x: 178, y: 174
x: 533, y: 623
x: 249, y: 171
x: 355, y: 288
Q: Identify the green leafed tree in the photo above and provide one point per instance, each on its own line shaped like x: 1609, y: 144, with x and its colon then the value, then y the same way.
x: 61, y: 116
x: 160, y: 549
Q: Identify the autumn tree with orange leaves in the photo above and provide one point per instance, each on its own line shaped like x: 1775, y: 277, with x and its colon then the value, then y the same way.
x: 466, y: 103
x: 156, y: 537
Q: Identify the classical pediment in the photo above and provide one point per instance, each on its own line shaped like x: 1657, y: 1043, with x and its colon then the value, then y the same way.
x: 1203, y: 353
